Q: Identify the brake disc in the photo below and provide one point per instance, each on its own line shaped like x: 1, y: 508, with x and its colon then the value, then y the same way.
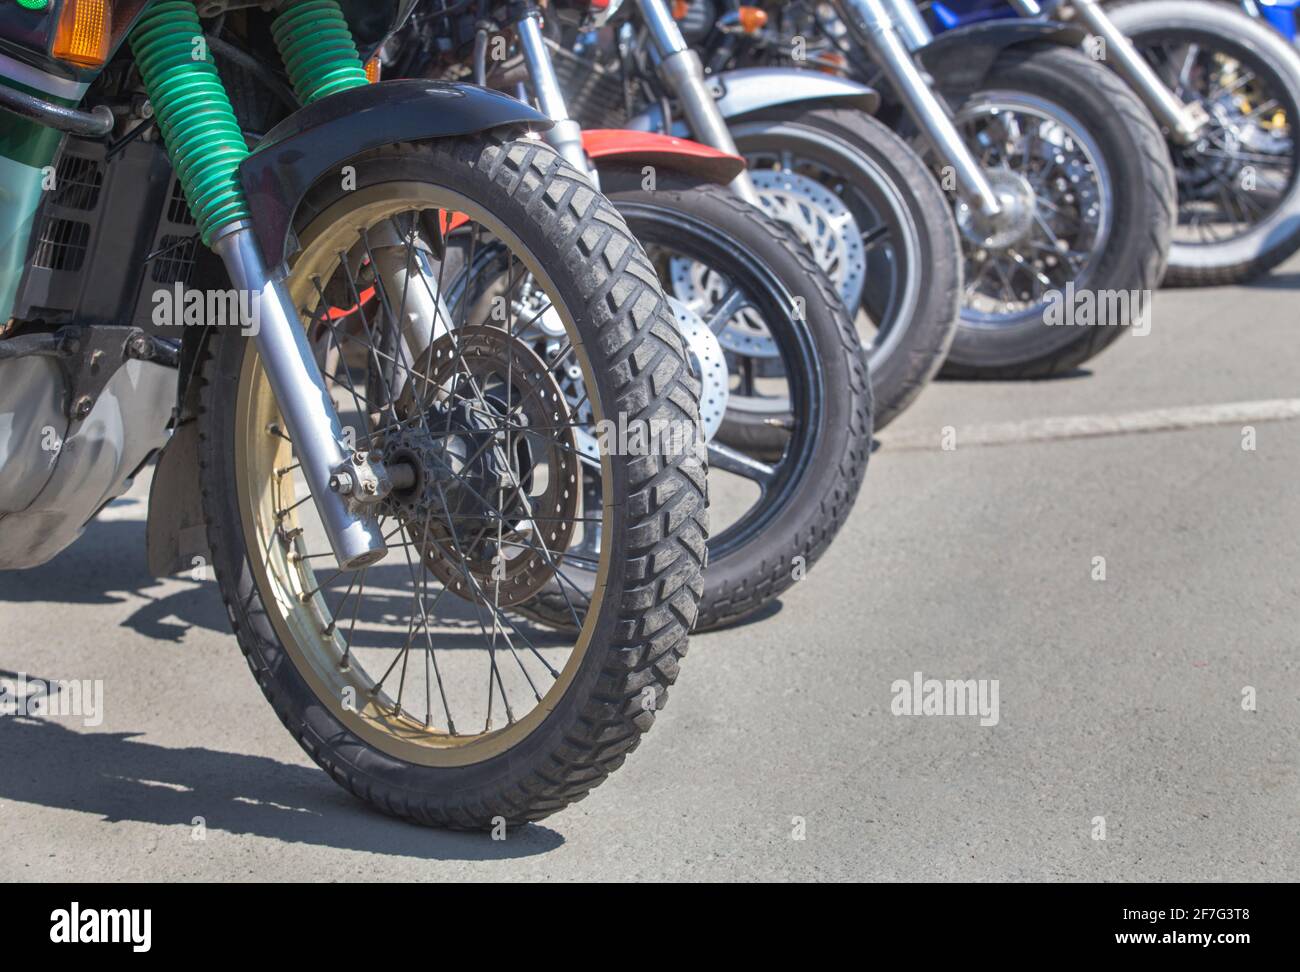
x: 709, y: 363
x: 821, y: 220
x: 495, y: 501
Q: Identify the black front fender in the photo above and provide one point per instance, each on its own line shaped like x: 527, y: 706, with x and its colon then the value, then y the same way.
x: 959, y: 60
x: 321, y: 137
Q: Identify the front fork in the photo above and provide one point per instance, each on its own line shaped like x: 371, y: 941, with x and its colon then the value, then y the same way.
x: 308, y: 411
x: 1182, y: 121
x: 891, y: 30
x: 565, y: 136
x: 205, y: 146
x: 683, y: 73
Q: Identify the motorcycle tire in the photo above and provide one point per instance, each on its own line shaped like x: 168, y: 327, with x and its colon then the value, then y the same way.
x: 1274, y: 236
x: 1091, y: 102
x: 907, y: 307
x: 606, y: 694
x: 817, y: 479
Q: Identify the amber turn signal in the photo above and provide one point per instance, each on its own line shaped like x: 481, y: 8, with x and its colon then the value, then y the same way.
x: 752, y: 19
x: 372, y: 69
x: 82, y: 37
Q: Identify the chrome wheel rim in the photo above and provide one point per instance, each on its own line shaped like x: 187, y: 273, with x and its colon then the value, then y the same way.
x: 1242, y: 167
x: 1032, y: 145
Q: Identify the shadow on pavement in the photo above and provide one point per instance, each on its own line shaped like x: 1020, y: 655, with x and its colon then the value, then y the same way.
x: 104, y: 566
x: 119, y: 777
x: 1276, y: 281
x: 769, y: 610
x: 107, y: 565
x: 1072, y: 375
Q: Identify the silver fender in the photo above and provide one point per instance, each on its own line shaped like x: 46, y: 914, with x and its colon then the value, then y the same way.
x: 747, y: 90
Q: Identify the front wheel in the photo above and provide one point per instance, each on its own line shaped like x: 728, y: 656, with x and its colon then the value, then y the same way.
x: 417, y: 683
x: 1088, y: 203
x: 790, y: 367
x: 1238, y: 184
x: 878, y: 227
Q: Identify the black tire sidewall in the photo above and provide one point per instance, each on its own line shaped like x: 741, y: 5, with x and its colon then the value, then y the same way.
x: 324, y: 736
x: 867, y: 151
x: 833, y: 475
x: 1134, y: 257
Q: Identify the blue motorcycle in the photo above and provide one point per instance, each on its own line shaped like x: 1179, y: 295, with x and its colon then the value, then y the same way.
x: 1282, y: 15
x: 1225, y: 91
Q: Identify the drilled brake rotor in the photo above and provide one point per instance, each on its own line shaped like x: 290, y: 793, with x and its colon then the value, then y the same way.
x: 496, y: 495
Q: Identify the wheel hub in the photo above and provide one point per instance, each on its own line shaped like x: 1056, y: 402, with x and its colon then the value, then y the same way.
x: 456, y: 466
x: 1219, y: 156
x: 493, y: 499
x: 1009, y: 227
x: 696, y: 285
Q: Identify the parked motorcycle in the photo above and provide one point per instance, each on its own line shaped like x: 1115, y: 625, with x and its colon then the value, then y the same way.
x: 817, y: 161
x: 1055, y: 169
x: 373, y: 554
x: 1238, y: 83
x: 1282, y: 15
x: 1224, y: 92
x: 786, y: 399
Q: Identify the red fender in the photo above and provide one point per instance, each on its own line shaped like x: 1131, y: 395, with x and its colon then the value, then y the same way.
x: 693, y: 158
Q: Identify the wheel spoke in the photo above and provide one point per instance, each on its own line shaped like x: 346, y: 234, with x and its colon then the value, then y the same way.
x: 731, y: 460
x: 495, y: 498
x: 731, y: 304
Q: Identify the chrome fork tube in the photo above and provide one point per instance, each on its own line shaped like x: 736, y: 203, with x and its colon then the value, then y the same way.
x: 879, y: 26
x: 683, y: 72
x: 1182, y: 121
x: 299, y: 388
x: 909, y: 23
x: 410, y: 284
x: 1027, y: 8
x: 565, y: 136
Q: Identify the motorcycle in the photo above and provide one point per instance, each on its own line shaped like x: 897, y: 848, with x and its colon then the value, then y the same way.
x: 788, y: 443
x: 1239, y: 83
x: 1056, y: 176
x: 858, y: 197
x: 1282, y: 15
x: 355, y: 436
x: 1224, y: 91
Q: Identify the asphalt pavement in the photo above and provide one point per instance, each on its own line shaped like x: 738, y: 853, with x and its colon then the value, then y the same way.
x: 1118, y: 550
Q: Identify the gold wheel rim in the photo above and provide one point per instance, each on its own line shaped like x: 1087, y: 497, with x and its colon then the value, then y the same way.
x: 302, y: 619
